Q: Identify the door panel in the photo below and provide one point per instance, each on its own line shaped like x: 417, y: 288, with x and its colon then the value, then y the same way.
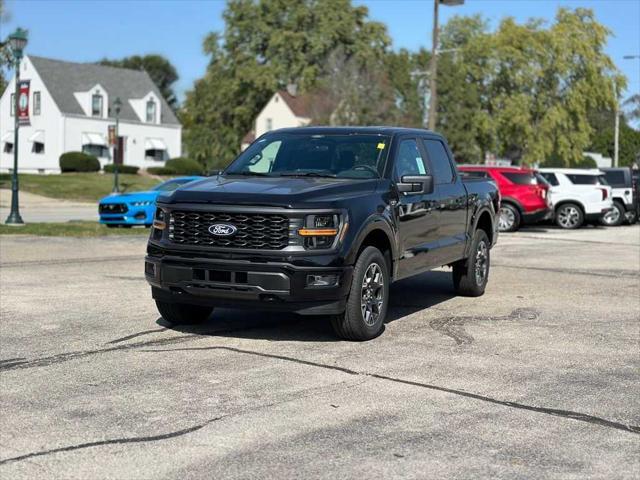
x: 416, y: 213
x: 452, y: 204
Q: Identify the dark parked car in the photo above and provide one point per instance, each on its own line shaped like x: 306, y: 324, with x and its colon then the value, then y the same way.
x: 625, y: 196
x: 321, y: 221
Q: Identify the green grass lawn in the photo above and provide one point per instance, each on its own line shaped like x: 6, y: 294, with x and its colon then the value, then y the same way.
x: 70, y: 229
x: 85, y: 187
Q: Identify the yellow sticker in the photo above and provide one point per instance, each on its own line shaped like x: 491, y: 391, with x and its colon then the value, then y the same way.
x: 381, y: 146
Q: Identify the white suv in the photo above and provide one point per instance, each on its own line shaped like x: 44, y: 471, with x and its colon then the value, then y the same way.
x: 578, y: 195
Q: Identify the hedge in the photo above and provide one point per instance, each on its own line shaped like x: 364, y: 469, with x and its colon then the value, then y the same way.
x: 121, y: 168
x: 161, y: 171
x: 78, y: 162
x: 184, y: 166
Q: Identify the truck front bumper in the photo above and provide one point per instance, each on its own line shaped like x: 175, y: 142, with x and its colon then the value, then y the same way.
x: 249, y: 285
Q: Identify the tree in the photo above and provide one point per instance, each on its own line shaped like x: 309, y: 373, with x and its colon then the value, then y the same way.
x: 602, y: 140
x: 162, y: 72
x: 5, y: 54
x: 266, y: 45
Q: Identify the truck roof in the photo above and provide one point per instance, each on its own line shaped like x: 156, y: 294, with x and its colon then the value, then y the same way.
x: 380, y: 130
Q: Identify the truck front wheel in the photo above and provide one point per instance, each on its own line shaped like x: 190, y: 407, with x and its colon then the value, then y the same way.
x: 366, y: 309
x: 182, y: 313
x: 470, y: 276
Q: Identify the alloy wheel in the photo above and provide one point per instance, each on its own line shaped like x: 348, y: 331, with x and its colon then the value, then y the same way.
x: 611, y: 217
x: 568, y: 216
x: 372, y: 294
x: 481, y: 263
x: 506, y: 219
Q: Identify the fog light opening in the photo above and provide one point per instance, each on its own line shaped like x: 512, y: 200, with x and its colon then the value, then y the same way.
x: 322, y: 280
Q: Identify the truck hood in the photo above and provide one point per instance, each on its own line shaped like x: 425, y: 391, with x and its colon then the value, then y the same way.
x: 291, y: 192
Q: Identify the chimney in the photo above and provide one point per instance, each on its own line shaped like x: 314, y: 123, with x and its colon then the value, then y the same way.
x: 292, y: 89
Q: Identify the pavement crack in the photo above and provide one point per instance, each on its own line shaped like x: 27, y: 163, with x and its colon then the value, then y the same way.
x: 576, y: 271
x: 134, y: 335
x: 453, y: 326
x: 568, y: 414
x: 114, y: 441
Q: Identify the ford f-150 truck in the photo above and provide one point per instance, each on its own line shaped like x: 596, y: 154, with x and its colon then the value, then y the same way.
x: 320, y: 221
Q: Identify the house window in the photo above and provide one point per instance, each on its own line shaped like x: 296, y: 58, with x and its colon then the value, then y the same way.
x: 8, y: 147
x: 96, y: 150
x: 151, y: 111
x: 96, y: 105
x: 13, y: 104
x: 155, y: 154
x: 269, y: 124
x: 38, y: 147
x: 36, y: 103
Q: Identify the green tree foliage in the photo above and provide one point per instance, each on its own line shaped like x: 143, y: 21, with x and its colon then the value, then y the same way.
x: 266, y: 45
x: 162, y: 72
x: 5, y: 54
x: 602, y: 139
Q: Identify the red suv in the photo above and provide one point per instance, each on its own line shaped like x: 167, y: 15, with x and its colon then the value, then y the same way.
x: 525, y: 194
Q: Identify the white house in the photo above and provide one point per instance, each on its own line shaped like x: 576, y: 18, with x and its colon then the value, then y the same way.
x: 285, y: 109
x: 71, y: 108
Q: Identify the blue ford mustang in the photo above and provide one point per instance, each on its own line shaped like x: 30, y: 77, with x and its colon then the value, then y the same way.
x: 136, y: 208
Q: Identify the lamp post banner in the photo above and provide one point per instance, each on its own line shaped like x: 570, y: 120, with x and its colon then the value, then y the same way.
x: 23, y: 102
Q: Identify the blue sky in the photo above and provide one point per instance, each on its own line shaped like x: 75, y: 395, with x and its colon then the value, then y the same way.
x: 87, y: 30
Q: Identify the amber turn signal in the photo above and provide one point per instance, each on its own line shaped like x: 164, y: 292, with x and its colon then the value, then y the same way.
x: 317, y: 232
x: 159, y: 225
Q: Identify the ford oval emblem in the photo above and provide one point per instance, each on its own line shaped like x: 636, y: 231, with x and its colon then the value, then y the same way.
x: 222, y: 229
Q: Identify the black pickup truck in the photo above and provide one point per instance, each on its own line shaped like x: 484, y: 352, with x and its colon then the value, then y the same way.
x: 320, y: 221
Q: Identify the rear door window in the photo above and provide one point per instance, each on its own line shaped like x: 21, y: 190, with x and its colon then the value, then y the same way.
x: 521, y: 178
x: 580, y: 179
x: 474, y: 174
x: 615, y: 178
x: 551, y: 178
x: 442, y: 170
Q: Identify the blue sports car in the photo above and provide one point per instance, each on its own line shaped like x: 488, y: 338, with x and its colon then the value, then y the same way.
x: 136, y: 208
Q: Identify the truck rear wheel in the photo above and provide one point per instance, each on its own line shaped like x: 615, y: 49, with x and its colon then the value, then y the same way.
x: 182, y: 313
x: 366, y: 310
x: 470, y: 276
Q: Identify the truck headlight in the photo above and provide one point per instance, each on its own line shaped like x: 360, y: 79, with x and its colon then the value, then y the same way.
x: 320, y: 230
x: 159, y: 222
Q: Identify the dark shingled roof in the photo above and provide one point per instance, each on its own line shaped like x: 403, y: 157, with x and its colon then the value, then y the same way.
x: 63, y: 79
x: 300, y: 105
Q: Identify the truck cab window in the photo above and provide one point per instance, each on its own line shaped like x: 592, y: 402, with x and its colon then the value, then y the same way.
x: 442, y: 170
x: 409, y: 160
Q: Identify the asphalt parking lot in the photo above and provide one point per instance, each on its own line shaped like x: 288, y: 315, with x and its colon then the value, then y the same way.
x: 539, y: 378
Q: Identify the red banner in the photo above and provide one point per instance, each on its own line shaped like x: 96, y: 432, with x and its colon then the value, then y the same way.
x: 112, y: 135
x: 23, y: 102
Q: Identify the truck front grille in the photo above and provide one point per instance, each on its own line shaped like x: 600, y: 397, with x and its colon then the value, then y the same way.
x: 254, y: 230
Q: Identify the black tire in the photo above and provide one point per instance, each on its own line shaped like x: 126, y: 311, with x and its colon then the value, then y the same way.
x: 182, y: 313
x: 615, y: 217
x: 632, y: 218
x: 509, y: 218
x: 569, y: 216
x: 465, y: 280
x: 111, y: 225
x: 351, y: 325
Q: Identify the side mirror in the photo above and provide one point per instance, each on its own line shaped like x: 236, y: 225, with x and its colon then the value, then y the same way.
x: 415, y: 184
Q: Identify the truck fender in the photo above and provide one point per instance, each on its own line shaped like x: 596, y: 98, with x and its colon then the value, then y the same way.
x: 372, y: 223
x: 473, y: 225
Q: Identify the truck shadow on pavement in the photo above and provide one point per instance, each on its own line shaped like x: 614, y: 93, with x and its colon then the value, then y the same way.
x: 406, y: 297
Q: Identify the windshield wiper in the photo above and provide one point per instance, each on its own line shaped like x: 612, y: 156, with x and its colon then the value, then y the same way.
x: 308, y: 174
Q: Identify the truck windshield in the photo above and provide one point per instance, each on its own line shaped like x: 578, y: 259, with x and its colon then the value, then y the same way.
x: 326, y: 155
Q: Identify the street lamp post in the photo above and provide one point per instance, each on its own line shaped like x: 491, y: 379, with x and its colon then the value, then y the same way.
x: 433, y: 67
x: 117, y: 105
x: 17, y: 42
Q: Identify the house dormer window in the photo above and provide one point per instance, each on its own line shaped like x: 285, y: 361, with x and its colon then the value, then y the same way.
x: 96, y: 105
x: 151, y: 111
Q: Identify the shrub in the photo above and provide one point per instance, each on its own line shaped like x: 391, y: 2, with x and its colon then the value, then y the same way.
x: 161, y: 171
x: 79, y: 162
x: 121, y: 168
x: 184, y: 166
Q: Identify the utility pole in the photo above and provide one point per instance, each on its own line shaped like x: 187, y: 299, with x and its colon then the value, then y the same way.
x: 433, y: 65
x: 616, y: 135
